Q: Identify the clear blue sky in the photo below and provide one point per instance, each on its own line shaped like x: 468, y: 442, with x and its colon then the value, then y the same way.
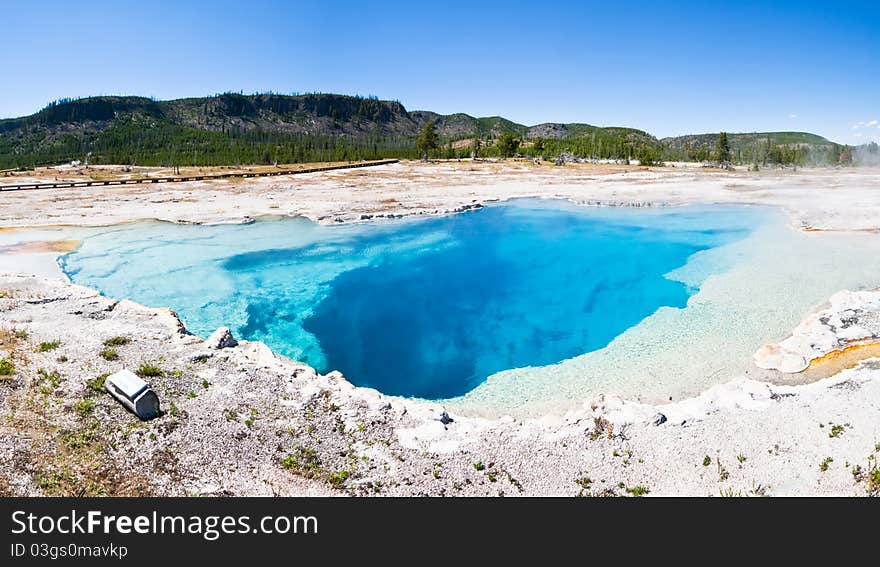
x: 666, y: 67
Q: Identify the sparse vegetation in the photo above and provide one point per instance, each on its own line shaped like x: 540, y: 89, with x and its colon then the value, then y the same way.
x: 109, y: 354
x: 722, y: 472
x: 117, y: 341
x: 479, y: 466
x: 707, y: 460
x: 84, y: 408
x: 601, y: 426
x: 515, y: 482
x: 755, y: 490
x: 638, y: 490
x: 76, y: 439
x: 874, y: 482
x: 836, y: 430
x: 584, y: 482
x: 48, y: 381
x: 6, y: 367
x: 252, y: 418
x: 146, y: 370
x: 96, y: 384
x: 823, y: 466
x: 871, y: 475
x: 48, y: 346
x: 303, y: 461
x: 337, y: 479
x: 50, y: 481
x: 230, y: 415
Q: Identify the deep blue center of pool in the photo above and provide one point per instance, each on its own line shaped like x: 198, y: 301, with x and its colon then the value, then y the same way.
x: 425, y: 308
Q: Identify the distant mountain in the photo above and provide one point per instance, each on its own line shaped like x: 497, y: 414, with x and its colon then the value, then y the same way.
x: 747, y: 139
x: 457, y: 126
x: 306, y: 114
x: 266, y: 128
x: 762, y: 148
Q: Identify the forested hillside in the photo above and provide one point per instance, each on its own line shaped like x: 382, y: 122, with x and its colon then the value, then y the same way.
x: 269, y: 128
x: 760, y: 148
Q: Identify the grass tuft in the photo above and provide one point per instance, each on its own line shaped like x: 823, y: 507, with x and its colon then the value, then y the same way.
x: 96, y: 385
x: 110, y: 354
x: 49, y: 345
x: 84, y: 408
x: 303, y: 461
x: 638, y: 490
x: 147, y: 370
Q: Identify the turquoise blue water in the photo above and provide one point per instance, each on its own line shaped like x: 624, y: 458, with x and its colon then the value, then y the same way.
x: 427, y: 308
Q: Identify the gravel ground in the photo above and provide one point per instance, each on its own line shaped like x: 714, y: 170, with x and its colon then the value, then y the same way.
x: 243, y: 421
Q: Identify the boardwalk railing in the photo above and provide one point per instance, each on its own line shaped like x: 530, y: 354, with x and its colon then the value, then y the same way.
x: 176, y: 179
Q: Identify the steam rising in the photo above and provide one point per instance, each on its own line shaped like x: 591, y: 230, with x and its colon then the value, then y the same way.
x: 867, y: 155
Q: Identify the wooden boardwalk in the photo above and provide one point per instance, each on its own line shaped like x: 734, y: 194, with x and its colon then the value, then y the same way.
x: 176, y: 179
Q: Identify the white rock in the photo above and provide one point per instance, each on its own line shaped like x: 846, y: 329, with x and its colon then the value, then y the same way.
x: 221, y: 338
x: 850, y: 317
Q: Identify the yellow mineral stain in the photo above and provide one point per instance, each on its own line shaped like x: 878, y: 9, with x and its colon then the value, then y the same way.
x: 841, y: 359
x: 40, y: 246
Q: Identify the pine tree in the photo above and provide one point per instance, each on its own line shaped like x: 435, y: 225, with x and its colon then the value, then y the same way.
x: 539, y: 146
x: 722, y: 150
x: 507, y: 144
x: 428, y: 139
x: 475, y: 148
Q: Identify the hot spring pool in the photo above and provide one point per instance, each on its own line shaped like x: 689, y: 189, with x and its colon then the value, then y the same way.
x: 499, y: 306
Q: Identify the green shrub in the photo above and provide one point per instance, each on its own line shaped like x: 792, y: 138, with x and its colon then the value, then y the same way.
x: 48, y: 381
x: 6, y: 367
x: 84, y: 408
x: 110, y: 354
x: 96, y: 385
x: 117, y: 341
x: 303, y: 461
x: 874, y: 481
x: 50, y: 345
x: 338, y: 478
x: 146, y: 370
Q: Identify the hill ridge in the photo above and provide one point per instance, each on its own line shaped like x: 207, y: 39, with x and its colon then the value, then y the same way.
x: 271, y: 127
